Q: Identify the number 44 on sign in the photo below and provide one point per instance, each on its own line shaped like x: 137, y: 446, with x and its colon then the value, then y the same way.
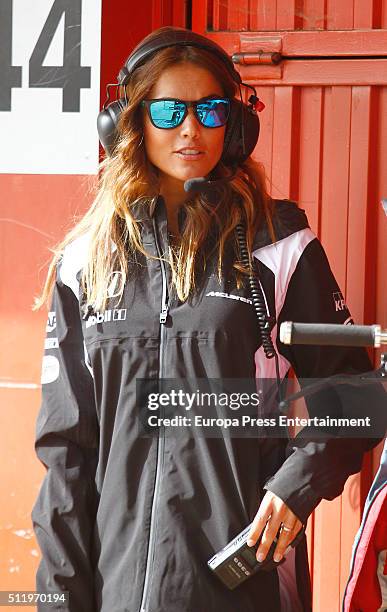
x: 49, y: 72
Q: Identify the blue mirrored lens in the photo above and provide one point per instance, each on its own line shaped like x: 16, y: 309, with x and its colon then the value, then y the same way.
x: 167, y: 113
x: 213, y: 113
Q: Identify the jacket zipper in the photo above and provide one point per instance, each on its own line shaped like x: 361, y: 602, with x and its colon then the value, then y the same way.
x: 160, y: 445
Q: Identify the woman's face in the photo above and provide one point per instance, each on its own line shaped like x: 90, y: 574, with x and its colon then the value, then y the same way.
x: 189, y: 150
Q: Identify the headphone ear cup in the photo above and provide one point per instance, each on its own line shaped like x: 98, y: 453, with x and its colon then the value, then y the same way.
x: 242, y: 117
x: 107, y: 122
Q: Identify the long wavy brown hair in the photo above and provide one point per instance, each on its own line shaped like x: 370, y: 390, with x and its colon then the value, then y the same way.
x: 127, y: 179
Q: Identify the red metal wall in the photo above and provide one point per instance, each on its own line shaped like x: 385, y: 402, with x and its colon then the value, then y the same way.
x: 324, y: 144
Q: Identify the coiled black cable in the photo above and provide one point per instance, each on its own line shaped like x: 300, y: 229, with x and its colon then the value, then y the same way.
x: 265, y: 321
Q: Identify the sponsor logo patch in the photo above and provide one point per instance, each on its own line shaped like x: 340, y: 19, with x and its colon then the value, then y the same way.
x: 109, y: 316
x: 51, y: 322
x: 51, y: 343
x: 113, y: 289
x: 50, y: 369
x: 339, y: 301
x: 229, y: 296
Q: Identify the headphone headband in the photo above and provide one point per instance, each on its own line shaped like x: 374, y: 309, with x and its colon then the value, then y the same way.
x: 172, y: 37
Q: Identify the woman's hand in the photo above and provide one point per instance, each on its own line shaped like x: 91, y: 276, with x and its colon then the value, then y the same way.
x: 272, y: 514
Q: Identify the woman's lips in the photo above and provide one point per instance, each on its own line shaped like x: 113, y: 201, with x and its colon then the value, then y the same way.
x: 190, y: 154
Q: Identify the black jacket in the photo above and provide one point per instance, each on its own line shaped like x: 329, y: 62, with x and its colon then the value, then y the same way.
x: 126, y: 523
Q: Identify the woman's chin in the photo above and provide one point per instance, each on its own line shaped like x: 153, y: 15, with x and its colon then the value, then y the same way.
x: 194, y: 172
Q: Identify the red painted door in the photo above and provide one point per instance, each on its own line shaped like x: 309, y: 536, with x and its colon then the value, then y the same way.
x: 321, y: 69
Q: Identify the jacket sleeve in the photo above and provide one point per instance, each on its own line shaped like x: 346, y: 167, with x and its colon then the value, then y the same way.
x: 317, y: 467
x: 67, y: 444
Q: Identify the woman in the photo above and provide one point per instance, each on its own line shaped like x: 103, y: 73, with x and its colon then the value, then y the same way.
x: 149, y: 285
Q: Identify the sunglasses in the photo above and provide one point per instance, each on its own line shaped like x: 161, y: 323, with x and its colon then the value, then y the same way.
x: 169, y: 113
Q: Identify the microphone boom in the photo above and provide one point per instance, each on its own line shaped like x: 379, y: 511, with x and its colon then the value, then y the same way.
x: 202, y: 184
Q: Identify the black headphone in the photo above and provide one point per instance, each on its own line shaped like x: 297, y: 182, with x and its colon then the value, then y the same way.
x: 242, y: 129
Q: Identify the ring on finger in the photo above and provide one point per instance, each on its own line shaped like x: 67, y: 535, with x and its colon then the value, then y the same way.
x: 285, y: 527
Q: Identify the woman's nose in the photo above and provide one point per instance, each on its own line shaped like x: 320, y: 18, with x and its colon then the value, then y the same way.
x: 190, y: 126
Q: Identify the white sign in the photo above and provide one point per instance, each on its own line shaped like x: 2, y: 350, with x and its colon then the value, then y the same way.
x: 49, y: 86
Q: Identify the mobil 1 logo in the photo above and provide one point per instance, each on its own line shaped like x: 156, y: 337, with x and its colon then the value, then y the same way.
x: 49, y: 72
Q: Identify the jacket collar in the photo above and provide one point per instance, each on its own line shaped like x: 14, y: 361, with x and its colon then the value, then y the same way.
x: 287, y: 218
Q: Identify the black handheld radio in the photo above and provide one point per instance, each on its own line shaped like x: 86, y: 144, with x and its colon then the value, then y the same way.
x: 236, y: 562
